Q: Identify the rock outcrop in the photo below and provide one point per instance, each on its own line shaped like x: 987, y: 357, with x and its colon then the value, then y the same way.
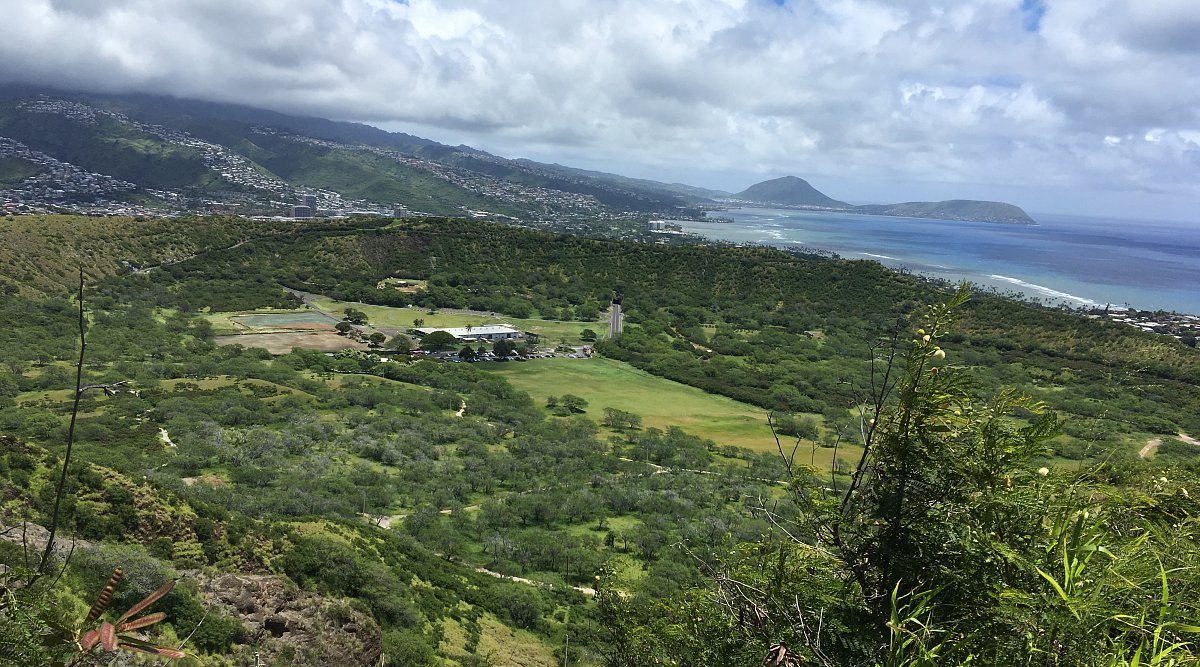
x: 289, y: 626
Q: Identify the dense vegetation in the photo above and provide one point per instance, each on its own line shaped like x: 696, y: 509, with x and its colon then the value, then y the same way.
x: 41, y: 255
x: 409, y: 489
x: 756, y: 324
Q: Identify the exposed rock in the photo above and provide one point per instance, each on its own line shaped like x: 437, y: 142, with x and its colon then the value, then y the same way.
x: 289, y: 625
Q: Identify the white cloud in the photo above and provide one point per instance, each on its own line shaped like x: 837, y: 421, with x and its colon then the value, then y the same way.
x: 1105, y: 95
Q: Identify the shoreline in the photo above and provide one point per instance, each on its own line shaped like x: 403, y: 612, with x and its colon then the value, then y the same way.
x: 1061, y: 261
x: 1174, y: 322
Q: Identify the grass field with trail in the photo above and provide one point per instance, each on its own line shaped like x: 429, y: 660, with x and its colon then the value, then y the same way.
x: 661, y: 403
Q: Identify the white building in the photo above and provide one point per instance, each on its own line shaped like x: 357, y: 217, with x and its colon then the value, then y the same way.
x: 483, y: 332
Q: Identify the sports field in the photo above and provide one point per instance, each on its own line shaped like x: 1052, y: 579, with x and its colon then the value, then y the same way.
x: 282, y: 343
x: 605, y: 383
x: 304, y: 319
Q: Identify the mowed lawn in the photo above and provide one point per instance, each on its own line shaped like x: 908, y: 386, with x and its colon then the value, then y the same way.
x: 605, y: 383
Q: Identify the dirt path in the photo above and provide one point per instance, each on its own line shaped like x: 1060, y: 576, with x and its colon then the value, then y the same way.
x: 165, y: 438
x: 590, y: 592
x: 170, y: 262
x: 1153, y: 444
x: 1150, y: 447
x: 462, y: 409
x: 387, y: 521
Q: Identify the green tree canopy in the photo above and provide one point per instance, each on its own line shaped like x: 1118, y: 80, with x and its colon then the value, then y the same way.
x: 438, y: 341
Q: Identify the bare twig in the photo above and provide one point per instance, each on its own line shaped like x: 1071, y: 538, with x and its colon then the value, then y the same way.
x: 80, y: 390
x: 66, y: 562
x: 188, y: 638
x: 62, y: 477
x: 787, y: 459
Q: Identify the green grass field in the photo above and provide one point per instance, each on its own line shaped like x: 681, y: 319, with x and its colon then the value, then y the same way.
x: 661, y: 403
x: 551, y: 331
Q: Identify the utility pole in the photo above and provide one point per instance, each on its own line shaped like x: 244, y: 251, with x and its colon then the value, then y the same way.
x: 566, y: 650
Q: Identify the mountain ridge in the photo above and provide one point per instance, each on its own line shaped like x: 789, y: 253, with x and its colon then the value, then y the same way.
x: 795, y: 191
x: 176, y: 154
x: 789, y: 190
x: 138, y: 154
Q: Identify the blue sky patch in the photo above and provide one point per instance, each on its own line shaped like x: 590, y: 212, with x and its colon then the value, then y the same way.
x: 1031, y: 14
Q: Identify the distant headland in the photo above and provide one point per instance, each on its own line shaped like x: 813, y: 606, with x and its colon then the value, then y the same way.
x: 794, y: 192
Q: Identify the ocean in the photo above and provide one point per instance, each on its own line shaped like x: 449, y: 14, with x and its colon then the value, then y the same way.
x: 1077, y: 261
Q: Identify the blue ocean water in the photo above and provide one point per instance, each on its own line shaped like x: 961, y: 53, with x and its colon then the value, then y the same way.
x: 1079, y: 261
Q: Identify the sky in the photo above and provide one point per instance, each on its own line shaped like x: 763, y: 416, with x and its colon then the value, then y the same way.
x: 1089, y: 107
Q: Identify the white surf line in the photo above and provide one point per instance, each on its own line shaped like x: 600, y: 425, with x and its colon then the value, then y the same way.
x: 1042, y: 289
x: 871, y: 254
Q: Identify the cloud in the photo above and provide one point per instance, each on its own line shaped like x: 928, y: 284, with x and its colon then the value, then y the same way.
x: 1019, y: 94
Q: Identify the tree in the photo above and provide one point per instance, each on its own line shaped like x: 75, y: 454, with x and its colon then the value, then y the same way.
x: 343, y: 328
x: 418, y: 323
x: 587, y: 335
x: 400, y: 343
x: 438, y: 341
x: 503, y: 347
x: 573, y: 403
x: 523, y: 605
x: 945, y: 546
x: 621, y: 420
x: 354, y: 316
x: 467, y: 353
x: 376, y: 339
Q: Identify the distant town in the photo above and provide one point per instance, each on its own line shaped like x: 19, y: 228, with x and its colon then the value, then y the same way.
x: 56, y: 186
x: 1182, y: 327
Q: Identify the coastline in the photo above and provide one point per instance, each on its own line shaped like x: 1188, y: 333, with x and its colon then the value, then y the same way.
x: 828, y: 232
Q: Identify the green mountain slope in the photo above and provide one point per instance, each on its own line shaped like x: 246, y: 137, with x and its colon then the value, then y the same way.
x: 14, y: 170
x: 793, y: 191
x: 110, y: 147
x: 266, y: 156
x: 441, y: 515
x: 955, y: 209
x: 788, y: 190
x: 690, y: 193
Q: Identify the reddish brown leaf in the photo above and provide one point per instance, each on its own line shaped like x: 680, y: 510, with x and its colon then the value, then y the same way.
x: 89, y: 640
x: 150, y: 599
x: 145, y: 621
x: 105, y: 597
x: 108, y: 636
